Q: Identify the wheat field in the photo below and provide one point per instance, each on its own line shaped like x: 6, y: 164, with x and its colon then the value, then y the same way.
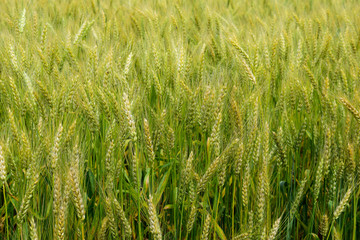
x: 179, y: 119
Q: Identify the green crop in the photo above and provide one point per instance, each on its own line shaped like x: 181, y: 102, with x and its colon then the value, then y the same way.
x: 178, y: 119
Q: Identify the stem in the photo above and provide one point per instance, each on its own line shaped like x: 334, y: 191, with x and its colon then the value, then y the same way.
x: 82, y: 230
x: 6, y: 214
x: 181, y: 219
x: 233, y: 210
x: 138, y: 195
x: 332, y: 224
x: 355, y: 208
x: 217, y: 207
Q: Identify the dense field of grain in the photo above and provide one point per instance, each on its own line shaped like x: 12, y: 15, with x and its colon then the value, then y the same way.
x: 184, y: 119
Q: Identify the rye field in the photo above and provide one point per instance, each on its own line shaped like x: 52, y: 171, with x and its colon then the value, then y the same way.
x: 186, y: 119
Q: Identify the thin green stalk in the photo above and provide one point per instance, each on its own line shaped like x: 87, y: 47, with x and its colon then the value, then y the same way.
x: 138, y: 197
x: 6, y: 213
x: 330, y: 229
x: 233, y: 209
x: 354, y: 218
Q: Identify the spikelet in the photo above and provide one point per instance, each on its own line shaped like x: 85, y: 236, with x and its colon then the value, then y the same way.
x: 193, y: 210
x: 136, y: 25
x: 120, y: 212
x: 75, y: 187
x: 300, y: 136
x: 82, y: 31
x: 22, y: 21
x: 149, y: 145
x: 239, y: 158
x: 260, y: 200
x: 2, y: 167
x: 13, y: 59
x: 109, y: 154
x: 127, y: 65
x: 311, y: 76
x: 29, y: 84
x: 267, y: 178
x: 45, y: 93
x: 324, y: 226
x: 299, y: 54
x: 153, y: 219
x: 103, y: 229
x: 248, y: 71
x: 215, y: 135
x: 104, y: 103
x: 70, y: 135
x: 56, y: 148
x: 306, y: 100
x: 186, y: 175
x: 210, y: 172
x: 60, y: 221
x: 25, y: 203
x: 129, y: 117
x: 274, y: 229
x: 192, y: 218
x: 56, y: 192
x: 241, y: 51
x: 337, y: 235
x: 245, y: 184
x: 351, y: 108
x: 242, y: 236
x: 181, y: 61
x: 33, y: 229
x: 251, y: 223
x: 43, y: 37
x: 4, y: 93
x: 207, y: 109
x: 110, y: 215
x: 170, y: 139
x: 206, y: 229
x: 214, y: 167
x: 299, y: 194
x: 193, y: 114
x: 341, y: 207
x: 155, y: 52
x: 280, y: 150
x: 134, y: 169
x: 222, y: 174
x: 235, y: 112
x: 333, y: 181
x: 110, y: 167
x: 35, y: 25
x: 15, y: 93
